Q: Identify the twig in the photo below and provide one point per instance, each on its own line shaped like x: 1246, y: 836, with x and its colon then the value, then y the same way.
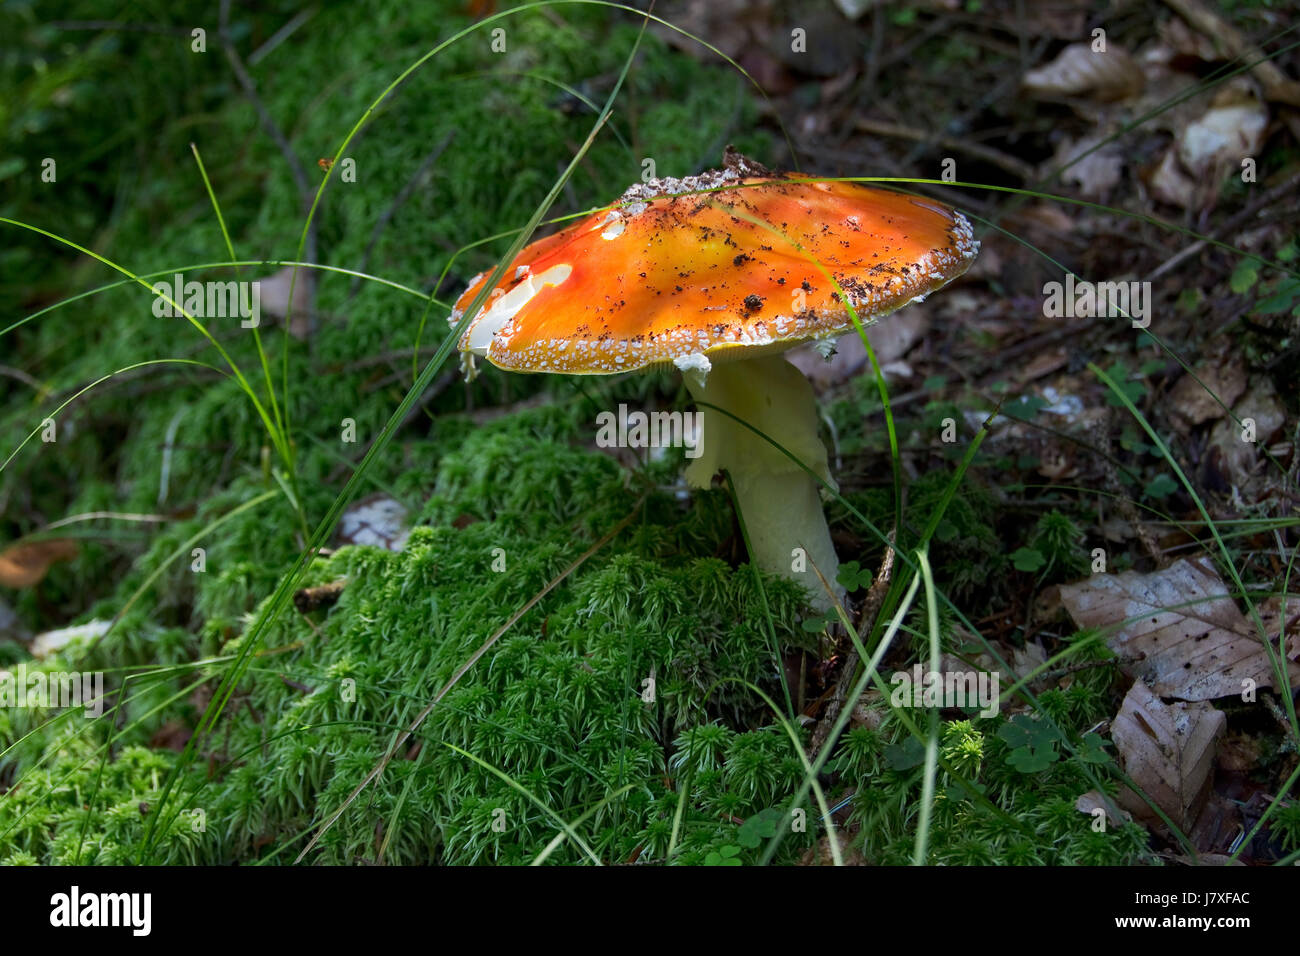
x: 871, y: 73
x: 1237, y: 220
x: 280, y: 35
x: 1012, y: 165
x: 269, y: 124
x: 118, y: 26
x: 19, y: 375
x: 311, y: 599
x: 1033, y: 344
x: 1277, y: 86
x: 296, y: 169
x: 396, y: 204
x: 1050, y: 676
x: 1002, y: 88
x: 96, y: 515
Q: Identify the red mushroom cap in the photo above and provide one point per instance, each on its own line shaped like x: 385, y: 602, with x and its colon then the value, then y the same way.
x: 670, y: 273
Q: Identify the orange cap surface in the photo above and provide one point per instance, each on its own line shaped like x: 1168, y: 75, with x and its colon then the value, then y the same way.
x: 669, y: 273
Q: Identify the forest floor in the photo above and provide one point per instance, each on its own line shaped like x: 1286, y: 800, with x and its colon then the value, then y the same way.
x: 298, y: 553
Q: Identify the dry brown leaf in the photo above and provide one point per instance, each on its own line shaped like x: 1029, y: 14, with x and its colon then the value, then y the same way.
x: 1043, y: 363
x: 726, y: 23
x: 1169, y: 183
x: 1240, y: 463
x: 274, y: 297
x: 1021, y: 661
x: 1185, y: 42
x: 1270, y: 612
x: 1094, y: 800
x: 1277, y: 85
x: 1239, y: 753
x: 1184, y: 636
x: 1026, y: 660
x: 1052, y: 219
x: 1193, y: 401
x: 821, y: 855
x: 24, y: 564
x: 1168, y: 750
x: 1091, y: 163
x: 173, y: 735
x: 1170, y: 97
x: 1222, y: 138
x: 867, y: 716
x: 1077, y: 71
x: 1208, y: 144
x: 889, y: 340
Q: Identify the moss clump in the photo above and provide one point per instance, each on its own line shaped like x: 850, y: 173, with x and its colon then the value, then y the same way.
x: 560, y: 721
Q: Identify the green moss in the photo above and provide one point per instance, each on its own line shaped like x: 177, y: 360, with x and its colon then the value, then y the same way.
x: 560, y: 705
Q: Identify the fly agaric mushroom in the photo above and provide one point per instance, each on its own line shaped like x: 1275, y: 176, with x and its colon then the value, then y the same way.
x: 720, y: 274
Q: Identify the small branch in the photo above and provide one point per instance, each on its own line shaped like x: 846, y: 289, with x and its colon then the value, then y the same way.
x: 19, y: 375
x: 1012, y: 165
x: 998, y: 92
x: 397, y: 204
x: 305, y: 190
x: 1277, y: 86
x: 1238, y: 220
x: 307, y: 600
x: 280, y: 35
x: 96, y: 515
x: 118, y: 26
x: 268, y: 122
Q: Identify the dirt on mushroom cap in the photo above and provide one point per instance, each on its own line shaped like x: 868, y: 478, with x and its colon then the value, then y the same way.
x: 670, y: 271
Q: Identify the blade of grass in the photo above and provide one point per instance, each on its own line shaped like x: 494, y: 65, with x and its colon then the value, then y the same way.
x: 871, y: 664
x: 230, y: 247
x: 932, y: 740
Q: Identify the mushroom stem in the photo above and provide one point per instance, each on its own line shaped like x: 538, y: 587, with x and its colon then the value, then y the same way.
x: 778, y: 500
